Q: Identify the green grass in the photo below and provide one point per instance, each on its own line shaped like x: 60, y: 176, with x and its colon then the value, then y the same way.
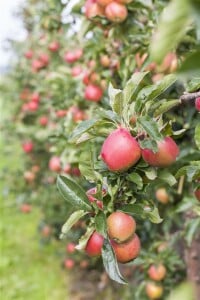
x: 27, y: 270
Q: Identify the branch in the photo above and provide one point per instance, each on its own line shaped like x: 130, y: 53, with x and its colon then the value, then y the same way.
x: 190, y: 96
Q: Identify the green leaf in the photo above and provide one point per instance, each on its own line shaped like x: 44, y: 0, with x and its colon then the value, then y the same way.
x: 84, y: 238
x: 100, y: 223
x: 143, y: 211
x: 192, y: 171
x: 116, y: 99
x: 137, y: 179
x: 81, y: 128
x: 86, y: 165
x: 149, y: 144
x: 71, y: 221
x: 110, y: 263
x: 193, y: 85
x: 167, y: 177
x: 133, y: 85
x: 73, y: 193
x: 191, y: 65
x: 185, y: 291
x: 197, y: 136
x: 171, y: 29
x: 164, y: 107
x: 151, y: 127
x: 151, y: 173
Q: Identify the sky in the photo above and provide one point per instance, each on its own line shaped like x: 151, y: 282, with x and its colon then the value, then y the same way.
x: 10, y: 27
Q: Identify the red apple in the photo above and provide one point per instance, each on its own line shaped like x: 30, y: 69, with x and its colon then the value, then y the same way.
x: 94, y: 244
x: 76, y: 71
x: 165, y: 156
x: 28, y: 54
x: 25, y: 208
x: 197, y: 104
x: 27, y: 147
x: 37, y: 65
x: 61, y: 113
x: 46, y: 231
x: 104, y: 2
x: 127, y: 251
x: 93, y: 93
x: 69, y: 263
x: 197, y: 194
x: 70, y: 248
x: 162, y: 196
x: 29, y: 176
x: 116, y: 12
x: 93, y: 9
x: 35, y: 97
x: 157, y: 272
x: 43, y: 120
x: 33, y: 106
x: 55, y: 164
x: 153, y: 290
x: 90, y: 194
x: 54, y: 46
x: 105, y: 60
x: 44, y: 58
x: 121, y: 226
x: 67, y: 169
x: 120, y: 150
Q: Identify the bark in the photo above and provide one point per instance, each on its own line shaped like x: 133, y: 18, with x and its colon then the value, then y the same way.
x: 192, y: 259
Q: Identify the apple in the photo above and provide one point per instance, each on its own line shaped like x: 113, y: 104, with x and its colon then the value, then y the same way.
x: 73, y: 56
x: 104, y: 2
x: 75, y: 171
x: 93, y: 93
x: 116, y: 12
x: 162, y: 195
x: 55, y: 164
x: 33, y: 106
x: 84, y: 264
x: 54, y: 46
x: 44, y: 58
x: 46, y: 231
x: 127, y: 251
x: 157, y: 272
x: 37, y: 65
x: 70, y: 248
x: 25, y: 94
x: 61, y: 113
x: 197, y: 104
x: 67, y: 169
x: 94, y: 244
x: 93, y: 9
x: 105, y: 60
x: 120, y: 226
x: 28, y: 54
x: 76, y: 71
x: 35, y: 97
x: 43, y: 120
x: 197, y: 194
x: 69, y: 263
x: 165, y: 156
x: 153, y: 290
x: 120, y: 150
x: 27, y: 147
x: 25, y: 208
x: 90, y: 194
x: 35, y: 169
x: 86, y: 78
x: 29, y: 176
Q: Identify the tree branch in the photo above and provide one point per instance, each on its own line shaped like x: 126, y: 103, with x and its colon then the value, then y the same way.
x: 190, y: 96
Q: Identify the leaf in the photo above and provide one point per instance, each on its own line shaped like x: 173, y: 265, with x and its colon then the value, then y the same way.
x: 81, y: 128
x: 110, y: 263
x: 151, y: 173
x: 171, y: 29
x: 184, y: 291
x: 167, y: 177
x: 71, y: 221
x: 191, y: 65
x: 197, y: 136
x: 133, y: 85
x: 116, y: 99
x: 150, y: 126
x: 100, y: 223
x: 164, y: 107
x: 143, y: 211
x: 137, y: 179
x: 192, y: 171
x: 149, y: 144
x: 73, y: 193
x: 84, y: 238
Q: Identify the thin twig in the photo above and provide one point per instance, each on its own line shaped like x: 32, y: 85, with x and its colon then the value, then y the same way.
x: 190, y: 96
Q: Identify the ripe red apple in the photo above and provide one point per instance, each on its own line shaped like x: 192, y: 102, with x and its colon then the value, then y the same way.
x: 197, y: 104
x: 94, y: 244
x: 90, y: 194
x: 76, y: 71
x: 44, y: 58
x: 35, y: 97
x: 120, y: 150
x: 43, y: 120
x: 86, y: 78
x: 93, y: 9
x: 54, y: 164
x: 153, y: 290
x: 61, y: 113
x: 157, y: 272
x: 104, y: 2
x: 162, y: 196
x: 197, y: 194
x: 37, y: 65
x: 165, y: 156
x: 120, y: 226
x: 25, y: 208
x: 33, y: 106
x: 75, y: 171
x: 54, y: 46
x: 28, y: 54
x: 116, y: 12
x: 67, y: 169
x: 27, y: 147
x: 73, y: 56
x: 93, y: 93
x: 46, y: 231
x: 127, y: 251
x: 69, y: 263
x: 70, y: 248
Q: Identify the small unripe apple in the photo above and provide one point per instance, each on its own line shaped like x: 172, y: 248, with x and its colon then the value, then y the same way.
x: 165, y: 156
x: 69, y: 263
x: 93, y: 93
x: 54, y: 46
x: 197, y: 104
x: 28, y: 54
x: 54, y: 164
x: 153, y: 290
x: 157, y: 272
x: 70, y: 248
x: 25, y: 208
x: 162, y: 196
x: 120, y: 226
x: 125, y: 252
x: 120, y: 150
x: 94, y: 244
x: 27, y: 147
x: 116, y: 12
x: 43, y: 120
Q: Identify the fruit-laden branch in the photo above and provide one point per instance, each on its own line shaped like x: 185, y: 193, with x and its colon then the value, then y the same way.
x: 190, y: 96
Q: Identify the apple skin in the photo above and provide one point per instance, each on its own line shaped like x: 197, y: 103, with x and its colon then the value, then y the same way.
x: 116, y: 12
x: 93, y: 9
x: 27, y: 147
x: 28, y: 54
x: 157, y: 272
x: 33, y: 106
x: 94, y: 244
x: 121, y: 226
x: 104, y: 2
x: 162, y: 195
x: 43, y: 120
x: 153, y: 290
x: 93, y: 93
x: 54, y: 164
x: 197, y: 104
x: 69, y: 263
x: 35, y: 97
x: 165, y: 156
x: 127, y: 251
x: 120, y: 150
x: 76, y: 71
x: 70, y: 248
